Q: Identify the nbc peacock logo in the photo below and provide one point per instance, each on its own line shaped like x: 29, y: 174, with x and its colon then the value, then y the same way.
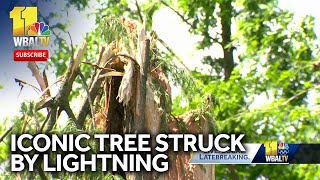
x: 283, y: 149
x: 39, y: 29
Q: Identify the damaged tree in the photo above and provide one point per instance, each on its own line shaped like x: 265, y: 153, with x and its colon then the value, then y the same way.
x: 128, y: 92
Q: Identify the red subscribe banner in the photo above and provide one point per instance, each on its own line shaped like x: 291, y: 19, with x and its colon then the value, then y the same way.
x: 30, y: 55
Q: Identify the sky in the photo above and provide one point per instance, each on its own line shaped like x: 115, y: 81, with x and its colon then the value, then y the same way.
x: 176, y: 36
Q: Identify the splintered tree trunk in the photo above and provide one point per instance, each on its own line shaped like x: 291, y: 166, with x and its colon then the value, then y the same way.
x: 148, y: 117
x: 143, y: 114
x: 131, y: 105
x: 142, y: 86
x: 141, y: 93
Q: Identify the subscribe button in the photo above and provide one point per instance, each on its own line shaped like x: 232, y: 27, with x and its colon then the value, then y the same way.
x: 30, y: 55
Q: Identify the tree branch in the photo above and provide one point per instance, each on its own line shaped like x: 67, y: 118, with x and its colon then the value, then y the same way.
x: 69, y: 112
x: 104, y: 57
x: 89, y: 99
x: 215, y: 40
x: 47, y: 90
x: 37, y: 74
x: 139, y: 11
x: 98, y: 67
x: 299, y: 94
x: 180, y: 15
x: 5, y: 134
x: 45, y: 121
x: 61, y: 100
x: 187, y: 22
x: 41, y: 172
x: 52, y: 120
x: 173, y: 53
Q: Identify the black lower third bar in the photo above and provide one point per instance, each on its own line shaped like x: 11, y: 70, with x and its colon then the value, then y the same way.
x: 307, y: 154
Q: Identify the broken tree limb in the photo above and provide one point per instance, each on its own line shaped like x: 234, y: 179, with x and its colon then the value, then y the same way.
x: 47, y: 90
x: 111, y: 73
x: 69, y: 112
x: 62, y: 98
x: 96, y: 82
x: 42, y: 81
x: 37, y: 74
x: 98, y: 67
x: 89, y: 99
x: 44, y: 104
x: 45, y: 121
x: 52, y: 119
x: 126, y: 87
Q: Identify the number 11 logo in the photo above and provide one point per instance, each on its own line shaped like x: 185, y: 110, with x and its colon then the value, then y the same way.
x: 23, y: 18
x: 271, y: 148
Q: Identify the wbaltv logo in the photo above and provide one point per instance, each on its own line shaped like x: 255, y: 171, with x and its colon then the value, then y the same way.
x: 29, y: 33
x: 277, y: 153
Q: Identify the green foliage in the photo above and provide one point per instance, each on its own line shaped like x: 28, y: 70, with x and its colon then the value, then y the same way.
x: 4, y: 147
x: 111, y: 30
x: 277, y: 67
x: 202, y: 16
